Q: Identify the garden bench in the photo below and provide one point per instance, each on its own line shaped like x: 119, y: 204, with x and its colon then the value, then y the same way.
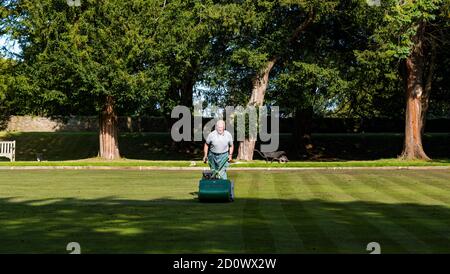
x: 8, y: 150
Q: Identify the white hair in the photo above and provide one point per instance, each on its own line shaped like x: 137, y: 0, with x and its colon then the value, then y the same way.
x: 220, y: 122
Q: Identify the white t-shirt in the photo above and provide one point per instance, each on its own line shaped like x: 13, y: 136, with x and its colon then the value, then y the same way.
x: 219, y: 143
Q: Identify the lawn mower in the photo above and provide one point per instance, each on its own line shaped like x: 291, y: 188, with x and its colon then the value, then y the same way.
x: 212, y: 188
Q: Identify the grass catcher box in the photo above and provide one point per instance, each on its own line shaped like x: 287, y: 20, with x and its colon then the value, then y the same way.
x: 216, y: 190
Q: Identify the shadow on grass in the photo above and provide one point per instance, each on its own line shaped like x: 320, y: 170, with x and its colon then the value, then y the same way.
x: 446, y: 161
x: 60, y: 146
x: 111, y: 225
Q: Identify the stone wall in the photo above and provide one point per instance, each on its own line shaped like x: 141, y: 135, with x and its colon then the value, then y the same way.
x: 82, y: 123
x: 44, y: 124
x: 159, y: 124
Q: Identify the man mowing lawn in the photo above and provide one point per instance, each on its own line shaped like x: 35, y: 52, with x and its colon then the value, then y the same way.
x: 218, y: 147
x: 218, y: 156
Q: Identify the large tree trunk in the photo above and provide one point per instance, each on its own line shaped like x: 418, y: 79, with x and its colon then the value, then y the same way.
x: 260, y: 83
x: 109, y: 144
x: 246, y: 149
x: 413, y: 148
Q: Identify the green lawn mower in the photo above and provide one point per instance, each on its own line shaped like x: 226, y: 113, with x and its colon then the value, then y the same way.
x: 212, y: 188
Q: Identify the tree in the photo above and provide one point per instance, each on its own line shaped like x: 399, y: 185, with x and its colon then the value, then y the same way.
x: 322, y: 76
x: 113, y: 57
x: 409, y: 36
x: 97, y: 57
x: 256, y: 37
x: 183, y: 38
x: 5, y: 85
x: 304, y: 89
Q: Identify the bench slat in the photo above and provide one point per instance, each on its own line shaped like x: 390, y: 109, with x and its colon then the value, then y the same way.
x: 7, y: 149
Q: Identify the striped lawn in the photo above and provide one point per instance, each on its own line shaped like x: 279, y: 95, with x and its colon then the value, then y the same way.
x: 311, y: 211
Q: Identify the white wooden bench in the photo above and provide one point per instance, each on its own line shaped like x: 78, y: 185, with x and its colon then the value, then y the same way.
x: 8, y: 150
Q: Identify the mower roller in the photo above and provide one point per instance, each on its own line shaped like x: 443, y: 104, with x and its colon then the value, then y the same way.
x: 212, y: 188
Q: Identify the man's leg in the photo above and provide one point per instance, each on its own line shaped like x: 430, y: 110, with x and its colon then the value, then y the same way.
x: 223, y: 174
x: 212, y: 162
x: 216, y: 161
x: 221, y: 158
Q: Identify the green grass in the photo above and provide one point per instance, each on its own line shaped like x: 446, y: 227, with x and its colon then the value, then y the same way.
x: 326, y: 211
x: 95, y: 162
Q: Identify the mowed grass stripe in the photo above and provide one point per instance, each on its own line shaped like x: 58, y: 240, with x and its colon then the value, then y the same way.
x: 299, y: 209
x: 438, y: 180
x: 255, y: 227
x: 392, y: 235
x: 157, y: 214
x: 407, y: 229
x: 241, y: 189
x: 95, y: 184
x: 413, y: 212
x: 358, y: 213
x: 154, y: 212
x: 423, y: 192
x: 431, y: 227
x: 349, y: 212
x: 441, y: 176
x: 419, y: 218
x: 335, y: 230
x: 282, y: 230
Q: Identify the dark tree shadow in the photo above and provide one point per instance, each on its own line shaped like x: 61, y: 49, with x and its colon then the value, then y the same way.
x: 4, y: 118
x: 112, y: 225
x: 60, y: 146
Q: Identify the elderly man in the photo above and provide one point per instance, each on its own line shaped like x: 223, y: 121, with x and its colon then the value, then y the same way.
x: 218, y: 148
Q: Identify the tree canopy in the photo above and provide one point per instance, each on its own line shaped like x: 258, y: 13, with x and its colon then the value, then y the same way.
x: 324, y: 58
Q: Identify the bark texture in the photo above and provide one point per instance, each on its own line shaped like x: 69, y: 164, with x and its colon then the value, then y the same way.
x: 415, y: 64
x: 109, y: 144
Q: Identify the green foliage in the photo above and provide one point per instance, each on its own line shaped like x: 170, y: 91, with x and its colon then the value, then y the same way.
x: 381, y: 63
x: 251, y: 33
x: 150, y: 55
x: 76, y: 56
x: 133, y: 51
x: 401, y: 21
x: 304, y: 85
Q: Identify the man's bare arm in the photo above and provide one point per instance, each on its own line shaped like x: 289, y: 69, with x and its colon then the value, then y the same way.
x: 205, y: 152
